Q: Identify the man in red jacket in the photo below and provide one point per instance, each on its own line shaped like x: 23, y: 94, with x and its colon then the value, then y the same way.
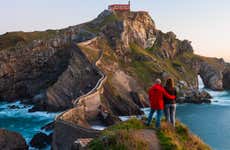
x: 156, y: 94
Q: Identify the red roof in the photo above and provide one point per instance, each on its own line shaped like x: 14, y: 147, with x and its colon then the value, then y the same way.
x: 122, y: 7
x: 119, y: 5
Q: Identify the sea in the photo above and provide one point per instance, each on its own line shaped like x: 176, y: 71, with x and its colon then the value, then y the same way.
x: 23, y: 122
x: 211, y: 122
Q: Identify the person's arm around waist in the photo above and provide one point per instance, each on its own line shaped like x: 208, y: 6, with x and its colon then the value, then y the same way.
x: 165, y: 93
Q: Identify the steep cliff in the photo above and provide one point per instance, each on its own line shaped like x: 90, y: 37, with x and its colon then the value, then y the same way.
x: 133, y: 53
x: 51, y: 70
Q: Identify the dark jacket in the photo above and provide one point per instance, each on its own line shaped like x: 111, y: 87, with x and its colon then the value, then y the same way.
x: 171, y: 92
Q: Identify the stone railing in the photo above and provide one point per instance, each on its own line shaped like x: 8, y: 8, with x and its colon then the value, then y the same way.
x: 65, y: 132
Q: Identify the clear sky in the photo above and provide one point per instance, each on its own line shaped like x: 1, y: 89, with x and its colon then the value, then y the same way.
x: 204, y: 22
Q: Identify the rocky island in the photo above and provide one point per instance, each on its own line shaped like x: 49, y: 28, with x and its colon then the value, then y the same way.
x: 99, y: 70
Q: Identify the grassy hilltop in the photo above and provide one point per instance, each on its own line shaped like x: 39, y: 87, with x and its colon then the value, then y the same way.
x: 133, y: 135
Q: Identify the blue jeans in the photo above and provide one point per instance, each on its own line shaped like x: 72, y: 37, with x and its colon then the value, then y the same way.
x: 158, y: 117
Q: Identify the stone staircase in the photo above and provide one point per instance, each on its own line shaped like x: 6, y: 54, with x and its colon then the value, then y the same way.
x: 67, y: 132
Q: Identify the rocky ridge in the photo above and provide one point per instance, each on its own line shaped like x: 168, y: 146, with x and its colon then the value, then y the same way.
x: 52, y: 72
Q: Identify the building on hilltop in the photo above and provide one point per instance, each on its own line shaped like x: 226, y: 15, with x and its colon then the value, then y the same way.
x: 119, y: 7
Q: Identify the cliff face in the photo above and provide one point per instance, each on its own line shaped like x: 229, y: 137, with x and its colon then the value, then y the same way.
x: 50, y: 72
x: 226, y: 77
x: 51, y: 69
x: 211, y: 71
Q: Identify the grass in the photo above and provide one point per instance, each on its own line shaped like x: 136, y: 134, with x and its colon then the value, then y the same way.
x: 97, y: 28
x: 144, y: 72
x: 91, y: 53
x: 11, y: 39
x: 165, y: 141
x: 179, y: 138
x: 147, y: 70
x: 121, y: 137
x: 121, y: 140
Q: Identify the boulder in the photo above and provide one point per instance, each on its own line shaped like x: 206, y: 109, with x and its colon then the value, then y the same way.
x: 12, y: 141
x: 13, y: 107
x: 204, y: 94
x: 136, y: 99
x: 40, y: 140
x: 195, y: 97
x: 107, y: 117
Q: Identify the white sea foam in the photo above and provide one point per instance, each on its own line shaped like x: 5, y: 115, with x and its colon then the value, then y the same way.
x: 98, y: 127
x: 219, y: 97
x: 20, y: 120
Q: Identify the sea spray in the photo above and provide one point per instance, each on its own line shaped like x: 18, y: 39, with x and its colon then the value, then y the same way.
x: 20, y: 120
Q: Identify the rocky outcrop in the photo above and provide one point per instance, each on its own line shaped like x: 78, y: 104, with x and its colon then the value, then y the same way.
x: 213, y: 71
x: 128, y: 28
x: 195, y: 97
x: 168, y: 46
x: 40, y: 140
x: 12, y: 140
x: 80, y: 77
x: 212, y: 77
x: 66, y: 134
x: 226, y: 77
x: 52, y: 71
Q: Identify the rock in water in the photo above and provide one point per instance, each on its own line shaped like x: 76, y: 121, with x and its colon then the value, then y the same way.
x: 12, y: 141
x: 48, y: 127
x: 13, y: 107
x: 226, y: 79
x: 40, y: 140
x: 195, y: 97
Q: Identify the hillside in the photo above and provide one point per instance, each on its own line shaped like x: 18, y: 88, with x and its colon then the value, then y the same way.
x: 133, y: 53
x: 102, y: 67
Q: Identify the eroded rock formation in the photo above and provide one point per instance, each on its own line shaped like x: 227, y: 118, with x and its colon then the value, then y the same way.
x: 11, y: 140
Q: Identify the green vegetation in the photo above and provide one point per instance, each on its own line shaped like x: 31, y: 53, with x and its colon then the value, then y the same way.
x: 179, y: 138
x: 151, y: 65
x: 146, y: 68
x: 144, y: 72
x: 165, y: 141
x: 97, y: 28
x: 12, y: 38
x: 122, y: 136
x: 91, y: 53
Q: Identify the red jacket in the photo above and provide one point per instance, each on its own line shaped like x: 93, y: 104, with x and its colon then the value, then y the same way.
x: 156, y: 94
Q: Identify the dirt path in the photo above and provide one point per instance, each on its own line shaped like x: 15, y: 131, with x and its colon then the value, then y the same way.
x: 149, y: 136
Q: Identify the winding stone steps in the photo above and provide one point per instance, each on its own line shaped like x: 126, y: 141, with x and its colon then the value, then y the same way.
x: 65, y: 132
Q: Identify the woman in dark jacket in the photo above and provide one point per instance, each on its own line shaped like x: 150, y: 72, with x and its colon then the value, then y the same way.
x: 170, y: 105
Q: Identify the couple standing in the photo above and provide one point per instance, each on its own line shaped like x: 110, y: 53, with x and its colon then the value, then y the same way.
x: 162, y: 99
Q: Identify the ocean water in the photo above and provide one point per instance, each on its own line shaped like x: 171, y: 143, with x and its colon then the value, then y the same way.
x: 20, y: 120
x: 211, y: 122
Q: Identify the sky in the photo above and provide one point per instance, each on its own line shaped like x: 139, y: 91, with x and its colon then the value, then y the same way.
x: 204, y: 22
